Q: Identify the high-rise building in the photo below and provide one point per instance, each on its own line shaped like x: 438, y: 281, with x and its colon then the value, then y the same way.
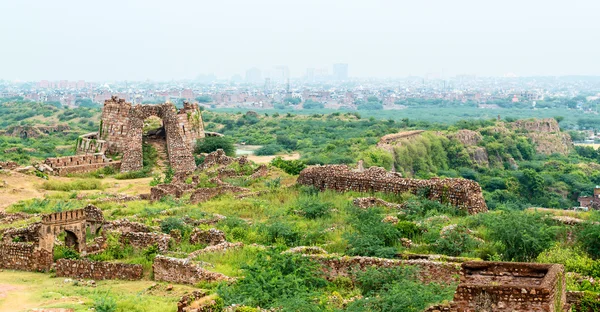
x: 253, y: 75
x: 340, y: 72
x: 281, y: 74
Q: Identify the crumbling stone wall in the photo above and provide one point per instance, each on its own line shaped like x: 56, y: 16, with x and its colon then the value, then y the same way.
x: 387, y: 142
x: 98, y: 270
x: 81, y: 163
x: 462, y: 193
x: 206, y: 193
x: 8, y: 165
x: 368, y: 202
x: 508, y: 287
x: 30, y: 131
x: 546, y: 135
x: 183, y: 271
x: 144, y: 240
x: 74, y: 223
x: 90, y: 144
x: 209, y: 237
x: 25, y: 257
x: 218, y: 158
x: 125, y: 225
x: 122, y: 128
x: 28, y: 234
x: 429, y: 271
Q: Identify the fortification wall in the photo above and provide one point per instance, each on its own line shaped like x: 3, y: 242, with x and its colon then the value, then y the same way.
x: 90, y: 144
x: 80, y: 163
x: 25, y: 257
x: 144, y: 240
x: 429, y: 271
x: 182, y: 271
x: 114, y: 124
x: 462, y: 193
x: 98, y: 270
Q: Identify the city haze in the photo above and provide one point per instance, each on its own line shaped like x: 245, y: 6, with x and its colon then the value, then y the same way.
x: 158, y: 40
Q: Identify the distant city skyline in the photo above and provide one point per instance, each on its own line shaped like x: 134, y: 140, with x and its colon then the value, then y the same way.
x: 138, y: 40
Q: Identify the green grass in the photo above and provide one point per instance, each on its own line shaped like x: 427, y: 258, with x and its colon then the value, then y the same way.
x: 78, y: 185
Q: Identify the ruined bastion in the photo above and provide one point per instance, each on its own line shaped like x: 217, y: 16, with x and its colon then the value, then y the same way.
x: 462, y: 193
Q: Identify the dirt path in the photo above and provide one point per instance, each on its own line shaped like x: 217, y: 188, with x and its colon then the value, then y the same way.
x: 161, y: 149
x: 18, y: 187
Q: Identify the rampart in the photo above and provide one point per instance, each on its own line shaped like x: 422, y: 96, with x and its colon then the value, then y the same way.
x: 81, y: 163
x: 183, y: 271
x: 462, y: 193
x: 24, y: 256
x: 98, y: 270
x: 429, y: 271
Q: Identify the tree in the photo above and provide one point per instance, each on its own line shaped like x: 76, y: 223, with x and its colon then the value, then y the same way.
x: 211, y: 144
x: 204, y: 99
x: 532, y: 184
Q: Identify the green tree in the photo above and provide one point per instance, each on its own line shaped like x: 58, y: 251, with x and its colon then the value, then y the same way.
x: 211, y: 144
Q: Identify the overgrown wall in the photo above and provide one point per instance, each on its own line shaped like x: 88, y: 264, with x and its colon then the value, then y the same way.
x: 462, y: 193
x: 182, y: 271
x: 98, y: 270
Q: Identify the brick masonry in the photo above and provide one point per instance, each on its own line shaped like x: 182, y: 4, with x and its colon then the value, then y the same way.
x: 183, y: 271
x: 462, y: 193
x: 25, y: 257
x: 98, y: 270
x: 81, y: 163
x: 144, y: 240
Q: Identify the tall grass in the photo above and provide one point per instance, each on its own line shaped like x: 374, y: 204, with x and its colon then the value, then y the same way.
x: 78, y: 185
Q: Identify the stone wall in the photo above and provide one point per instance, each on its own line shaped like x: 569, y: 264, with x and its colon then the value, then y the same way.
x: 144, y: 240
x: 8, y: 165
x: 125, y: 225
x: 28, y: 131
x: 90, y: 144
x: 24, y: 256
x: 80, y: 163
x: 429, y: 271
x: 208, y: 237
x: 462, y: 193
x: 29, y: 234
x: 183, y: 271
x: 98, y: 270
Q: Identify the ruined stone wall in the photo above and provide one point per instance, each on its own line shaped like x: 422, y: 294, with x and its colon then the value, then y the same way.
x: 80, y: 163
x: 114, y: 124
x: 182, y: 271
x: 144, y: 240
x: 208, y: 237
x: 29, y: 234
x: 25, y: 257
x: 98, y: 270
x: 8, y: 165
x: 125, y: 225
x: 546, y: 135
x: 462, y: 193
x: 429, y: 271
x: 90, y: 144
x: 537, y: 125
x: 28, y: 131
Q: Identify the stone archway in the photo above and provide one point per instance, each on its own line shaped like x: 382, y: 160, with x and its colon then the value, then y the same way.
x: 180, y: 155
x: 71, y: 240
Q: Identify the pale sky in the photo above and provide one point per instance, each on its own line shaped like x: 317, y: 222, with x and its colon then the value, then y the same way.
x: 176, y: 39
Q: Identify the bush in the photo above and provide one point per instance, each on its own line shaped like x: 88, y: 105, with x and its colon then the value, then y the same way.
x: 455, y: 241
x: 523, y: 235
x: 293, y: 167
x: 270, y: 149
x: 211, y: 144
x: 589, y: 238
x: 281, y: 232
x: 173, y: 223
x: 105, y: 304
x: 371, y: 236
x: 63, y: 252
x: 286, y: 281
x: 312, y: 208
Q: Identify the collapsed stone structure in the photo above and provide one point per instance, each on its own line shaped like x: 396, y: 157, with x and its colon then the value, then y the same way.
x: 80, y: 163
x: 546, y: 135
x: 31, y: 131
x: 183, y: 271
x: 462, y: 193
x: 8, y: 165
x: 508, y: 287
x: 121, y: 130
x: 387, y: 142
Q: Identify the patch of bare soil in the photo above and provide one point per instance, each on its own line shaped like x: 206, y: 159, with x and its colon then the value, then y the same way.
x: 267, y: 159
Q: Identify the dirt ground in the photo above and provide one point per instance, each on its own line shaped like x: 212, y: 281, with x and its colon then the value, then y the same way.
x: 267, y: 159
x: 16, y: 186
x: 595, y: 146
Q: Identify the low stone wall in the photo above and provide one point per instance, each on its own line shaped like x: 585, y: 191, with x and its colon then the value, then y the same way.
x: 24, y: 256
x: 29, y: 234
x: 462, y: 193
x: 183, y: 271
x: 98, y: 270
x: 8, y: 165
x: 368, y: 202
x: 206, y: 193
x: 209, y: 237
x: 144, y: 240
x: 429, y: 271
x: 89, y: 144
x: 125, y: 225
x: 81, y: 163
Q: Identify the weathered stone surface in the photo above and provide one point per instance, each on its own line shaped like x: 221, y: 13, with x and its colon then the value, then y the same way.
x: 209, y: 237
x: 8, y: 165
x: 144, y: 240
x: 81, y: 163
x: 206, y: 193
x: 98, y: 270
x: 183, y: 271
x: 24, y: 256
x: 462, y: 193
x: 125, y: 225
x: 368, y: 202
x: 224, y: 246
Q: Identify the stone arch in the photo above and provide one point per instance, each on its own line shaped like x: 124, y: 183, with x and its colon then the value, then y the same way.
x: 180, y: 155
x: 24, y: 135
x: 72, y: 240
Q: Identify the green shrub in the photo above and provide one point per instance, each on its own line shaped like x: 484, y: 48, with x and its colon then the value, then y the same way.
x: 312, y: 208
x: 173, y: 223
x: 589, y: 238
x: 371, y: 236
x: 211, y: 144
x: 408, y: 229
x: 455, y: 241
x: 270, y: 149
x: 292, y: 167
x: 105, y: 304
x: 280, y: 231
x: 276, y: 280
x: 63, y: 252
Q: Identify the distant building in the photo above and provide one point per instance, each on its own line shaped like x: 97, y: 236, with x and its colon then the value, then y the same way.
x: 591, y: 201
x: 281, y: 74
x: 340, y: 72
x: 254, y: 75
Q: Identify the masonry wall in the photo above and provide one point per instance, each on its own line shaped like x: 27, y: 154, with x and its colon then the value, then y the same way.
x: 89, y: 144
x: 115, y: 124
x: 8, y: 165
x: 80, y: 163
x: 462, y: 193
x: 429, y: 271
x: 25, y: 257
x: 182, y: 271
x: 98, y: 270
x: 144, y: 240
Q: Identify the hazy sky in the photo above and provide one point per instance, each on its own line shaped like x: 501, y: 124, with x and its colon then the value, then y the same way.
x: 175, y: 39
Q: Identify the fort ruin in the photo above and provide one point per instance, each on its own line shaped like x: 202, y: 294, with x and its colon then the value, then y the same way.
x: 462, y: 193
